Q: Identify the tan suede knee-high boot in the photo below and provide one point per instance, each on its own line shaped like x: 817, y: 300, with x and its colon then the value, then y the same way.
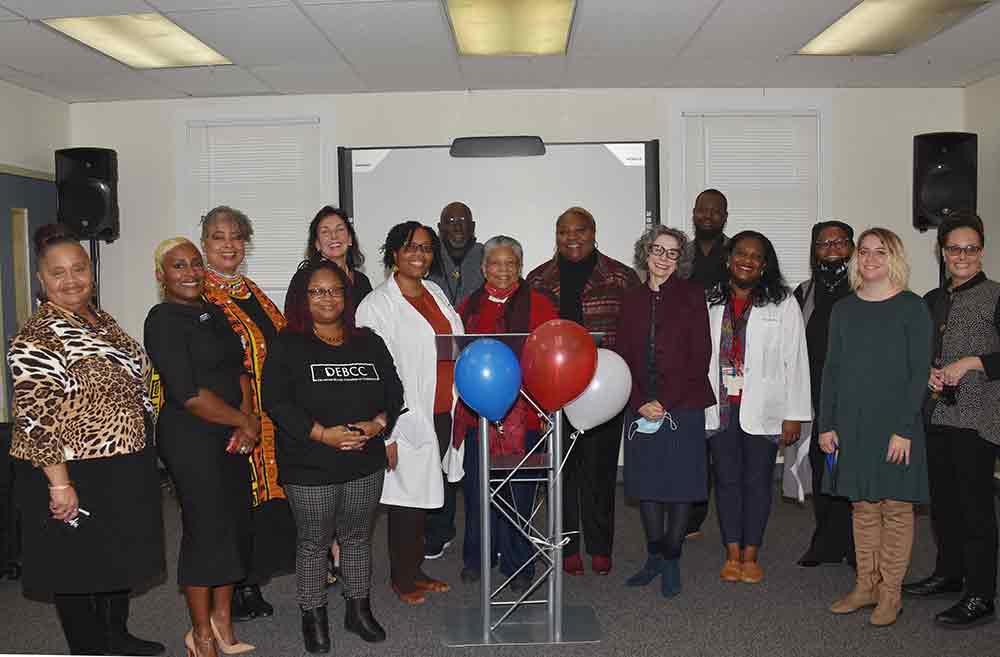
x: 894, y: 559
x: 867, y: 543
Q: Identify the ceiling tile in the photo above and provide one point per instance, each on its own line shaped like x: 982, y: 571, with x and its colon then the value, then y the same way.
x: 36, y: 49
x: 615, y: 72
x: 648, y: 27
x: 61, y: 8
x: 513, y: 72
x: 126, y: 85
x: 8, y: 15
x: 27, y: 81
x: 198, y: 5
x: 769, y: 28
x: 260, y: 36
x: 395, y: 45
x: 209, y: 81
x: 303, y: 78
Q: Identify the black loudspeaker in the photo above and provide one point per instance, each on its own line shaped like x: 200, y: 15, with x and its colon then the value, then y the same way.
x: 87, y: 184
x: 944, y: 176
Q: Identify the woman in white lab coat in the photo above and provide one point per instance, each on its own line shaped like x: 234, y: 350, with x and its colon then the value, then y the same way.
x: 760, y: 375
x: 408, y: 312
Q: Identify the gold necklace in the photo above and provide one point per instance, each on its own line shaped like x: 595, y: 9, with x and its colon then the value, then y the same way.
x: 333, y: 342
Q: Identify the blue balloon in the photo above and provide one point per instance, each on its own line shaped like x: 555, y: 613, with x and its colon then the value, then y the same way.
x: 488, y: 378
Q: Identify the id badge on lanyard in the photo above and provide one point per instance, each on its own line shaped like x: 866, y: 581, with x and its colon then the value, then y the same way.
x: 732, y: 371
x: 732, y: 380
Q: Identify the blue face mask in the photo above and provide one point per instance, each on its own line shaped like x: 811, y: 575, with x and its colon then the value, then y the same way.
x: 649, y: 427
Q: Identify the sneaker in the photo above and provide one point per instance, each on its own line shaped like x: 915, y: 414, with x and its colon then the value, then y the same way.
x: 432, y: 552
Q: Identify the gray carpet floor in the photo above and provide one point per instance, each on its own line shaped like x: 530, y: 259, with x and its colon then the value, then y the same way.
x: 785, y: 615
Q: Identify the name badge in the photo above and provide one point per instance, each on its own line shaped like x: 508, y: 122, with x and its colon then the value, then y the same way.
x: 732, y: 381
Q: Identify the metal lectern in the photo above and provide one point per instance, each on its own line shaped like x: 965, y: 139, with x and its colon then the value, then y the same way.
x: 523, y: 620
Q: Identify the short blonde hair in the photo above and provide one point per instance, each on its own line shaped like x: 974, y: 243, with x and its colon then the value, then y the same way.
x: 899, y: 268
x: 165, y: 247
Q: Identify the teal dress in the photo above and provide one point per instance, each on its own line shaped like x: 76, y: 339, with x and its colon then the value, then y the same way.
x: 874, y: 379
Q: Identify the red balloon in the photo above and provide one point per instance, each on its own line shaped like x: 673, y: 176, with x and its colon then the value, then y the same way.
x: 557, y: 363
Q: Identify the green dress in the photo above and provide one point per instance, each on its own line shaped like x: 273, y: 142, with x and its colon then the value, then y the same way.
x: 874, y: 379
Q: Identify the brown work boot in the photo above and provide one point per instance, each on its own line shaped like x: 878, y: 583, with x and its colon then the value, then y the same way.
x: 894, y: 559
x: 867, y: 520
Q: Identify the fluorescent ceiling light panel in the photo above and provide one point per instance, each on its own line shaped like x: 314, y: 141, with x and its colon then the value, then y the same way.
x: 139, y: 40
x: 511, y: 27
x: 885, y: 27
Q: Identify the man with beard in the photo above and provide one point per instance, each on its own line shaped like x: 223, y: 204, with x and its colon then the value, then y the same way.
x: 460, y: 272
x: 707, y: 250
x: 832, y: 246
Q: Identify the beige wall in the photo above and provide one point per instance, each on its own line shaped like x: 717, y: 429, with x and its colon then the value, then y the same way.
x: 31, y: 127
x: 982, y: 112
x: 867, y: 152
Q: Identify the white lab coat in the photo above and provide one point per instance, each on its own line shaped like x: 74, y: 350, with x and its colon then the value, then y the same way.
x: 775, y: 371
x: 416, y: 481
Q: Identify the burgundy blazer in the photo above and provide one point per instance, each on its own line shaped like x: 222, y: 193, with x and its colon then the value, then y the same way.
x: 683, y: 344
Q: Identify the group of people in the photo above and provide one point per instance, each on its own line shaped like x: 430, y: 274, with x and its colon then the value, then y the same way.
x: 284, y: 431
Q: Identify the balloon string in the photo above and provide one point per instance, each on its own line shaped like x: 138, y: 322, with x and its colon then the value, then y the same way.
x: 572, y: 444
x: 532, y: 402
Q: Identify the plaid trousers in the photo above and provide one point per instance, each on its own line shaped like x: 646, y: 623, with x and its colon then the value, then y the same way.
x: 347, y: 511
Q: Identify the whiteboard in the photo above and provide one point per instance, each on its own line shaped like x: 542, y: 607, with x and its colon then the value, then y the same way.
x: 520, y: 196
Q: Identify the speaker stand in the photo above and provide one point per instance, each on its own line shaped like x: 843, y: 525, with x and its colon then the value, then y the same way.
x: 95, y: 263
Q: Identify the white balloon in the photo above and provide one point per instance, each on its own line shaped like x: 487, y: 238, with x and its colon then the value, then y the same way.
x: 605, y: 396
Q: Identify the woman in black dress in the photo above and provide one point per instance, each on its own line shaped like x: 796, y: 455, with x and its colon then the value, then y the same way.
x: 86, y: 473
x: 203, y: 438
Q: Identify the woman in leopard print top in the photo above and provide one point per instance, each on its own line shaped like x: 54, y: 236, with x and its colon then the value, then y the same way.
x: 87, y: 480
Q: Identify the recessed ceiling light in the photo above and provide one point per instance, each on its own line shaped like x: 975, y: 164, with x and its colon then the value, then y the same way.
x: 511, y: 27
x: 139, y: 40
x: 885, y: 27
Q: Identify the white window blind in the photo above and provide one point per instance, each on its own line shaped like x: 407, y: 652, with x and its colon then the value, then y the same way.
x: 272, y: 172
x: 767, y: 165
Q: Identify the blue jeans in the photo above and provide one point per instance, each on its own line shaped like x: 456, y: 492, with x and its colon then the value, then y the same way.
x: 744, y: 482
x: 513, y: 547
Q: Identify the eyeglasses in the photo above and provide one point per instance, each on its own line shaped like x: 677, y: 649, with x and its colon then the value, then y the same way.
x: 955, y: 250
x: 451, y: 221
x: 409, y: 247
x: 320, y: 292
x: 839, y: 243
x: 657, y: 250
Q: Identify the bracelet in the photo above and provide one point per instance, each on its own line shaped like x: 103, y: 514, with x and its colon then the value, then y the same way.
x: 61, y: 486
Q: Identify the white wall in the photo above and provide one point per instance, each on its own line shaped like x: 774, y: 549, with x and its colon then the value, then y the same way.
x: 982, y: 115
x: 868, y: 152
x: 31, y: 127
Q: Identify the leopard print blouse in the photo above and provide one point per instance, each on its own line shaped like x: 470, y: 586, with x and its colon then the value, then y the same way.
x: 79, y: 389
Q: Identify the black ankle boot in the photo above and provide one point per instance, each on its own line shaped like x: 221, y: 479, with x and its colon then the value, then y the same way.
x: 316, y: 630
x: 239, y: 609
x: 255, y: 602
x: 358, y: 619
x: 81, y: 624
x: 112, y: 610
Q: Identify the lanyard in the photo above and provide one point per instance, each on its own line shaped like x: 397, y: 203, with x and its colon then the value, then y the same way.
x: 737, y: 324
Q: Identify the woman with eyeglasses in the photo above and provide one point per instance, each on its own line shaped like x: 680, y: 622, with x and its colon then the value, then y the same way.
x: 408, y: 313
x: 876, y: 373
x: 333, y: 390
x: 964, y: 427
x: 664, y: 337
x: 760, y: 376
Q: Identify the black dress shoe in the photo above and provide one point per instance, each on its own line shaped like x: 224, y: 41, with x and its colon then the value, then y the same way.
x: 316, y: 630
x: 358, y: 619
x: 255, y: 602
x: 933, y: 587
x: 970, y: 611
